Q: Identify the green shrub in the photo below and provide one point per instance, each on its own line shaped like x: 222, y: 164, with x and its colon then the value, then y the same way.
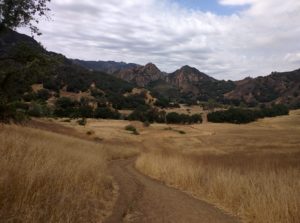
x: 175, y: 118
x: 43, y: 95
x: 132, y: 129
x: 39, y: 110
x: 35, y: 110
x: 106, y: 113
x: 146, y: 114
x: 162, y: 103
x: 10, y: 113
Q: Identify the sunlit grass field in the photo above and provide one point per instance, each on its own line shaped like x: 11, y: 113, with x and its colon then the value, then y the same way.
x: 252, y: 171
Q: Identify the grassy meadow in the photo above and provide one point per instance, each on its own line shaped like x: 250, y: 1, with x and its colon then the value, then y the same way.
x: 251, y: 171
x: 60, y: 172
x: 48, y: 177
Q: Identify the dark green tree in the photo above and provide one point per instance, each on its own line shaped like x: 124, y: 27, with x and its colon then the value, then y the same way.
x: 18, y: 13
x: 106, y: 113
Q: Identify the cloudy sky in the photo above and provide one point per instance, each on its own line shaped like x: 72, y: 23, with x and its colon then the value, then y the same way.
x: 227, y: 39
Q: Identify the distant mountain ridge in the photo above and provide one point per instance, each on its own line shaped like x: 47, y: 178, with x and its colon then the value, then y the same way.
x: 191, y: 84
x: 108, y: 67
x: 113, y: 79
x: 186, y: 82
x: 143, y: 75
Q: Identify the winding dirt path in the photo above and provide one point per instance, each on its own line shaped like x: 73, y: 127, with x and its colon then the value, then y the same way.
x: 142, y: 199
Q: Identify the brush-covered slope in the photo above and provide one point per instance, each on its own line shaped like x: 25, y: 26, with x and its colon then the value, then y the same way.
x: 198, y: 85
x: 279, y: 88
x: 38, y: 80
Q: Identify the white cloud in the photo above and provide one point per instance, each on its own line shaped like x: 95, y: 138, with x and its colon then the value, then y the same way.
x: 252, y: 42
x: 237, y: 2
x: 293, y: 58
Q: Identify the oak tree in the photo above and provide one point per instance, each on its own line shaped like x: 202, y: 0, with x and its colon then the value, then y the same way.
x: 18, y: 13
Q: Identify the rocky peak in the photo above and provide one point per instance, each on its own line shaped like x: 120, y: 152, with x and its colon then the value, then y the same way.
x: 150, y: 69
x: 187, y: 75
x: 141, y: 75
x: 192, y: 72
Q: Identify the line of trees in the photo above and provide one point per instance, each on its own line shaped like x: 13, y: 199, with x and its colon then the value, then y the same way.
x: 65, y: 107
x: 175, y: 118
x: 243, y: 116
x: 151, y: 115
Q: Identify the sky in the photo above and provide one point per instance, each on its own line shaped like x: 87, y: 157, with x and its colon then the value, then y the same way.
x: 227, y: 39
x: 210, y: 6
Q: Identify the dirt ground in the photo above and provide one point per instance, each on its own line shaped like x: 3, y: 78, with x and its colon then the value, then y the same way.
x: 142, y: 199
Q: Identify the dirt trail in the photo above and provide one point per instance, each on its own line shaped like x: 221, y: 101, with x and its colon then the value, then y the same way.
x: 142, y: 199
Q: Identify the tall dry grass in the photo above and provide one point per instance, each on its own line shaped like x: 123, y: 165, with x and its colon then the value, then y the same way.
x: 257, y: 188
x: 46, y: 177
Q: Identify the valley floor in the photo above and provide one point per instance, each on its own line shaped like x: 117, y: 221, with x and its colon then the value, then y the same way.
x: 249, y: 171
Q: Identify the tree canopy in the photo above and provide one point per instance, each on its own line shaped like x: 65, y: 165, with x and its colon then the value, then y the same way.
x: 17, y: 13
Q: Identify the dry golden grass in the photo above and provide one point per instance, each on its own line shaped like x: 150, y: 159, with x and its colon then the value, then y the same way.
x: 184, y: 109
x: 45, y: 177
x: 252, y: 171
x: 108, y: 134
x: 261, y: 189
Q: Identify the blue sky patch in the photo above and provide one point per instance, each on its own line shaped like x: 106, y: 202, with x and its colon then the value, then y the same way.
x: 211, y: 6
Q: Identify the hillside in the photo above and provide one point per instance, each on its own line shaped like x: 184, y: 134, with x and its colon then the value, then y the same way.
x: 196, y: 85
x: 279, y: 88
x: 64, y: 88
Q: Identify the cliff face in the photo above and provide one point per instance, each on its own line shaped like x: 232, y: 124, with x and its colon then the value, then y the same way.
x: 187, y: 78
x: 142, y: 75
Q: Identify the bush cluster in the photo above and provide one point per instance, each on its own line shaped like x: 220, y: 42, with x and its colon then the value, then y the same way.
x: 10, y: 112
x: 132, y: 129
x: 175, y: 118
x: 147, y: 114
x: 65, y: 107
x: 243, y: 116
x: 150, y: 115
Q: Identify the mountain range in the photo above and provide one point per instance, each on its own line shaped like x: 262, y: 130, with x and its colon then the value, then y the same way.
x: 113, y: 79
x: 189, y: 83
